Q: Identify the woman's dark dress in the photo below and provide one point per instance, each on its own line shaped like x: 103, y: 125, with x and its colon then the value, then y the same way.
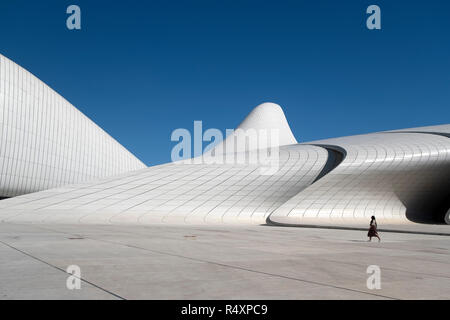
x: 372, y: 230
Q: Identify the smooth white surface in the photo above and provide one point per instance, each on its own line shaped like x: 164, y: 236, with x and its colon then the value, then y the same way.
x: 45, y: 142
x: 443, y: 128
x: 269, y: 116
x: 268, y: 121
x: 175, y: 193
x: 389, y: 175
x: 383, y: 174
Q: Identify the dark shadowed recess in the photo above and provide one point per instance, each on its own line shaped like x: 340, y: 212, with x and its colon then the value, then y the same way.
x: 431, y: 204
x: 335, y: 156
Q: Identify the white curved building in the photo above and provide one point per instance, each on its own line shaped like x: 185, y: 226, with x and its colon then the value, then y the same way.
x: 396, y: 176
x: 45, y: 142
x: 400, y: 176
x: 266, y: 119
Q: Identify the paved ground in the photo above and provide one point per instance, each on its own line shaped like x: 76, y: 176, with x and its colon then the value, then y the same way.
x: 218, y: 262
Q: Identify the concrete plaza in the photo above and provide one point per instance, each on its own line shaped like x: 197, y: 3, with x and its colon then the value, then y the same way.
x: 218, y: 262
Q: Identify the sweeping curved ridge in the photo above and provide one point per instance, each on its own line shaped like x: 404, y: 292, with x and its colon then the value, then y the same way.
x: 45, y: 142
x: 398, y: 178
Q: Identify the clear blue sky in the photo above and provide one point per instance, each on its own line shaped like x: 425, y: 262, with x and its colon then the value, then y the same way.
x: 141, y: 69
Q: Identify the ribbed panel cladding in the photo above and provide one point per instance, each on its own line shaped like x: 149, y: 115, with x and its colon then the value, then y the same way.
x: 192, y: 193
x: 45, y: 142
x: 401, y: 176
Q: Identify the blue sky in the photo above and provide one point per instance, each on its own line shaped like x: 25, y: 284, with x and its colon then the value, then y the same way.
x: 141, y: 69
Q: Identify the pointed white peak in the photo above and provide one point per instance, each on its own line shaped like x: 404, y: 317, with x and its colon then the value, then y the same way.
x: 267, y: 122
x: 269, y: 116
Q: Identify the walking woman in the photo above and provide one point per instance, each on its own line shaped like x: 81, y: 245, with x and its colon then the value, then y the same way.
x: 373, y: 230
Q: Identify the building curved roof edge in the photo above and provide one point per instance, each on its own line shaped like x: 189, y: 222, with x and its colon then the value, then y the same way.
x: 46, y: 141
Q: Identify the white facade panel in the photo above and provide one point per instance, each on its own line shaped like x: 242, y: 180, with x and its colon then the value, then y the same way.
x: 399, y: 176
x: 175, y: 192
x: 45, y: 142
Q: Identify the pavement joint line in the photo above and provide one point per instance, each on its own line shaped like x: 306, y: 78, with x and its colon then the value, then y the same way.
x: 60, y: 269
x: 242, y: 268
x: 393, y: 269
x: 385, y: 248
x: 227, y: 265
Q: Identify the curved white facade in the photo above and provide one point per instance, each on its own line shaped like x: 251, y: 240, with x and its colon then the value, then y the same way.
x: 393, y: 175
x: 45, y: 142
x: 398, y: 176
x: 267, y: 120
x: 177, y: 193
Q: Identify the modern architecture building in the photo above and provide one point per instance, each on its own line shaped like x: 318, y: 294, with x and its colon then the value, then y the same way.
x: 45, y: 142
x: 400, y: 176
